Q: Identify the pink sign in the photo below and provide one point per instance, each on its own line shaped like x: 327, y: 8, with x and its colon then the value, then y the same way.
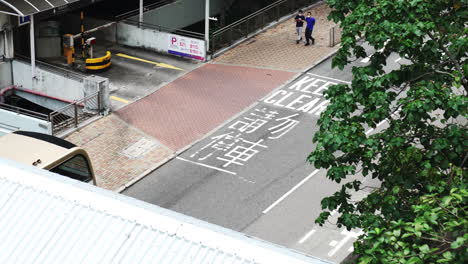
x: 187, y: 47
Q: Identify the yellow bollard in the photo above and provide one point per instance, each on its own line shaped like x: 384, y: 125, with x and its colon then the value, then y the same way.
x: 68, y: 48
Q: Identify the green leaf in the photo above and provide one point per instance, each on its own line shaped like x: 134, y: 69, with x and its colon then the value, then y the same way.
x: 448, y: 255
x: 460, y: 241
x: 424, y: 249
x: 420, y: 193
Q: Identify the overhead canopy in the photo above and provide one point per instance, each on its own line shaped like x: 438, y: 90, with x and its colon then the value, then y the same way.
x: 30, y: 7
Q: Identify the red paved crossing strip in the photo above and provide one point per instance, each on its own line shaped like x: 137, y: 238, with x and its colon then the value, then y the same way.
x: 193, y: 105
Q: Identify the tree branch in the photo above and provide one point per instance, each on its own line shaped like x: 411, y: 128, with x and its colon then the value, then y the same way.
x: 453, y: 60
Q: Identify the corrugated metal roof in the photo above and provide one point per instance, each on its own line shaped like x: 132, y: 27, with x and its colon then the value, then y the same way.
x: 46, y: 218
x: 30, y: 7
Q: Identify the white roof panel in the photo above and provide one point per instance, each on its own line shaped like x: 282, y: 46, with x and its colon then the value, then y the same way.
x: 30, y: 7
x: 47, y: 218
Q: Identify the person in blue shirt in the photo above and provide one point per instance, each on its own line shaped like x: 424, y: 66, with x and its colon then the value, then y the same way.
x: 309, y: 28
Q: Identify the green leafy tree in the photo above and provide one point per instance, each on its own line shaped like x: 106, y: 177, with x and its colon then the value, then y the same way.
x: 420, y: 157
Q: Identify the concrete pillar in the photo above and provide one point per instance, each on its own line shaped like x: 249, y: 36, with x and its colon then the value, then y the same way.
x: 140, y: 19
x: 91, y: 85
x: 6, y: 37
x: 33, y: 49
x: 207, y: 26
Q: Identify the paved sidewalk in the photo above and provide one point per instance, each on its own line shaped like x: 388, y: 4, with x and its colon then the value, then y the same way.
x: 142, y: 135
x: 276, y: 48
x: 119, y: 153
x: 185, y: 110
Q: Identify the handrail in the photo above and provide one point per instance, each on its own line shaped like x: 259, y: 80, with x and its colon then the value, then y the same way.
x: 166, y: 29
x: 77, y: 102
x: 24, y: 111
x: 145, y: 8
x: 75, y: 113
x: 53, y: 68
x: 255, y: 22
x: 272, y: 5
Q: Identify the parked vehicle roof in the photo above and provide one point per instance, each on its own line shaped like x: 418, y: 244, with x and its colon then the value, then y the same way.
x: 32, y: 148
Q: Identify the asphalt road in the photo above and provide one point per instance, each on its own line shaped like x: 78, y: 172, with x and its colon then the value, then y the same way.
x: 137, y: 73
x: 251, y: 175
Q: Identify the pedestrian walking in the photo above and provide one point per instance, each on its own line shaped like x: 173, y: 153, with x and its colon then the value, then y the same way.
x: 309, y: 28
x: 299, y: 24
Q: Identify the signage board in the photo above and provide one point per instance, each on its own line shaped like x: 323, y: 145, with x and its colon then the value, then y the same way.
x: 24, y: 20
x: 187, y: 47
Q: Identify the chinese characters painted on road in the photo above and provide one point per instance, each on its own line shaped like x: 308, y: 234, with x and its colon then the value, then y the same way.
x: 236, y: 146
x: 276, y: 116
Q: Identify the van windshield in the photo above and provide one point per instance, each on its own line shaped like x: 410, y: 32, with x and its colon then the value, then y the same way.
x: 76, y: 168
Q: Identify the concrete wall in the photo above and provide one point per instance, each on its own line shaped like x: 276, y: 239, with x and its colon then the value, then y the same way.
x: 91, y: 85
x: 49, y: 83
x: 6, y: 37
x: 134, y: 36
x: 41, y: 100
x: 182, y: 13
x: 150, y: 39
x: 3, y: 22
x: 11, y: 121
x: 5, y: 74
x: 59, y: 86
x: 4, y: 19
x: 72, y: 25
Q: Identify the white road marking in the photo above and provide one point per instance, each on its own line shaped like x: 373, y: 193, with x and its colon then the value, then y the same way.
x: 314, y: 172
x: 245, y: 180
x: 307, y: 236
x: 327, y: 77
x: 290, y: 191
x: 351, y: 249
x: 397, y: 60
x: 365, y: 60
x: 381, y: 123
x: 337, y: 245
x: 372, y: 129
x: 207, y: 166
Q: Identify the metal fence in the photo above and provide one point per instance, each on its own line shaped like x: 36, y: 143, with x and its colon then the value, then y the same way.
x: 67, y: 117
x: 160, y: 28
x: 77, y: 112
x: 148, y: 7
x: 23, y: 111
x: 52, y: 68
x: 226, y: 36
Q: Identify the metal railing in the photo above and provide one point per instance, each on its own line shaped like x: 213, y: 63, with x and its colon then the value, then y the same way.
x: 69, y: 116
x: 258, y: 20
x: 181, y: 32
x: 52, y: 68
x: 75, y: 113
x: 23, y: 111
x: 145, y: 8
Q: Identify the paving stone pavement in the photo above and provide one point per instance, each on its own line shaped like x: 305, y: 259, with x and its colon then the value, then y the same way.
x: 276, y: 48
x: 190, y: 107
x: 119, y: 153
